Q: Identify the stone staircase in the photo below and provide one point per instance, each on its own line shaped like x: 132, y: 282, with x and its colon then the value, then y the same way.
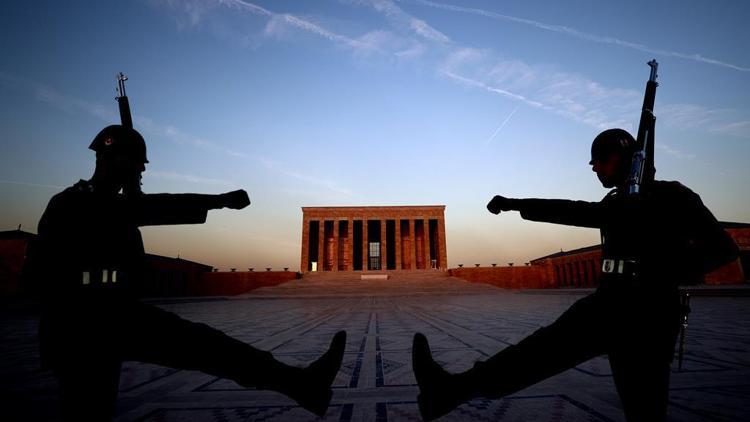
x: 399, y: 283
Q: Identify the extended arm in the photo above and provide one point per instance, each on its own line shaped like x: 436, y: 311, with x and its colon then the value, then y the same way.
x: 557, y: 211
x: 185, y: 208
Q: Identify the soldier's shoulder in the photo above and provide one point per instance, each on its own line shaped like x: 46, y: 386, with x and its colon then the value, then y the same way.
x: 671, y: 186
x: 71, y: 193
x: 674, y: 189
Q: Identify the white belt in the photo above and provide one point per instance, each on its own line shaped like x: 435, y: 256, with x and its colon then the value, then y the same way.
x: 619, y: 266
x: 107, y: 276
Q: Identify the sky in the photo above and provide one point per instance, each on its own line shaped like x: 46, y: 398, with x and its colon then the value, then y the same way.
x: 347, y: 102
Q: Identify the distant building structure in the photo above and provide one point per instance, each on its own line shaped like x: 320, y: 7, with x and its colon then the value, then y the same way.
x: 13, y: 247
x: 166, y: 276
x: 575, y: 268
x: 373, y: 238
x: 582, y: 267
x: 163, y: 276
x: 379, y: 238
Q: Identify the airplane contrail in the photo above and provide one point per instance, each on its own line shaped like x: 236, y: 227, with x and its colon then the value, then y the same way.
x: 502, y: 125
x: 582, y: 35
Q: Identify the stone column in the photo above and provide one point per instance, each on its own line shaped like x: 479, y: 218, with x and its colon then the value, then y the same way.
x: 397, y: 246
x: 349, y: 243
x: 442, y: 245
x: 426, y: 237
x: 335, y: 266
x: 305, y: 255
x: 383, y: 250
x: 413, y: 244
x: 365, y: 245
x: 321, y: 244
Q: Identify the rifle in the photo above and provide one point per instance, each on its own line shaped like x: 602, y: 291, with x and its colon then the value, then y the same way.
x: 684, y: 312
x: 122, y: 101
x: 126, y: 119
x: 642, y: 168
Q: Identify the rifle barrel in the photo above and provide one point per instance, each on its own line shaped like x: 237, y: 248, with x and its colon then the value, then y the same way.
x: 126, y: 118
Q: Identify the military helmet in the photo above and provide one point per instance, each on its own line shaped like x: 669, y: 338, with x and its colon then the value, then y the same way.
x: 120, y: 140
x: 612, y: 141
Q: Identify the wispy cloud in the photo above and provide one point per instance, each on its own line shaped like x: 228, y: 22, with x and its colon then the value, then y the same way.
x: 330, y: 185
x: 57, y: 99
x: 541, y: 86
x: 277, y: 24
x: 674, y: 152
x: 479, y: 84
x: 35, y: 185
x: 560, y: 29
x: 739, y: 129
x: 182, y: 138
x: 725, y: 121
x: 502, y: 125
x: 281, y: 25
x: 579, y: 98
x: 72, y: 104
x: 569, y: 95
x: 189, y: 178
x: 401, y: 19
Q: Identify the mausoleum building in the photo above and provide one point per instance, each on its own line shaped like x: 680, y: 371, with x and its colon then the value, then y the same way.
x: 373, y: 238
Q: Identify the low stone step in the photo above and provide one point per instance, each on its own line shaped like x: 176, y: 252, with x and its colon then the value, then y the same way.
x: 373, y: 277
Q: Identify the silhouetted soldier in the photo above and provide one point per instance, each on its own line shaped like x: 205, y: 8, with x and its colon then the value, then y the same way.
x: 90, y: 249
x: 650, y: 243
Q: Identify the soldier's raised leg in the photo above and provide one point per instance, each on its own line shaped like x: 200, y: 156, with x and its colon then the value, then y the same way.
x: 578, y: 335
x: 164, y: 338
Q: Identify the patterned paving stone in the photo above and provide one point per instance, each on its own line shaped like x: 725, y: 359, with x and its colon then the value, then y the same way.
x: 464, y: 322
x: 551, y: 408
x: 247, y: 414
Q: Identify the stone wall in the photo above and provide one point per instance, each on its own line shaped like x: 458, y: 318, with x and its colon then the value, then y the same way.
x: 526, y: 277
x: 734, y: 273
x: 233, y: 283
x: 12, y: 257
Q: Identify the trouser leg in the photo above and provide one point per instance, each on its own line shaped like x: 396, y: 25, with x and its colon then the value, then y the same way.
x: 641, y: 366
x: 643, y: 385
x: 157, y: 336
x: 90, y: 342
x: 88, y: 389
x: 575, y: 337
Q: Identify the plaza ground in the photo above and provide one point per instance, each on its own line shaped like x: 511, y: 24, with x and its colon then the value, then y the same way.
x: 463, y: 321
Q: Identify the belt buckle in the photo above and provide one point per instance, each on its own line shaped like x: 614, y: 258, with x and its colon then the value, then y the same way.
x: 608, y: 265
x: 619, y: 266
x: 106, y: 276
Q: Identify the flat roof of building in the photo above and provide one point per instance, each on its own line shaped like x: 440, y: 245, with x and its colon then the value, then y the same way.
x: 724, y: 224
x: 16, y: 234
x: 570, y: 252
x: 369, y: 207
x: 177, y: 260
x: 374, y: 211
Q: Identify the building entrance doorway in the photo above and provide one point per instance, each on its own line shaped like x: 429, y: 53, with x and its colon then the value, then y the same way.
x: 374, y: 253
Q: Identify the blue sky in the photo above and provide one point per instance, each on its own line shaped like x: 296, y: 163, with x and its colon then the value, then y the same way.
x: 371, y: 103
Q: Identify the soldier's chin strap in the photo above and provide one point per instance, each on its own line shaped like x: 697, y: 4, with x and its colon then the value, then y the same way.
x: 133, y: 187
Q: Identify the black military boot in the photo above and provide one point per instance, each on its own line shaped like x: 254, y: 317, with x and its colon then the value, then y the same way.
x: 439, y: 391
x: 311, y: 388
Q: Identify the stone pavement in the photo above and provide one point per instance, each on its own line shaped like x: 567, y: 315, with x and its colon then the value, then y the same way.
x: 464, y: 322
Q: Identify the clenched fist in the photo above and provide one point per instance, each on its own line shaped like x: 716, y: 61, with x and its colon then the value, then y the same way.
x: 236, y: 200
x: 500, y: 203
